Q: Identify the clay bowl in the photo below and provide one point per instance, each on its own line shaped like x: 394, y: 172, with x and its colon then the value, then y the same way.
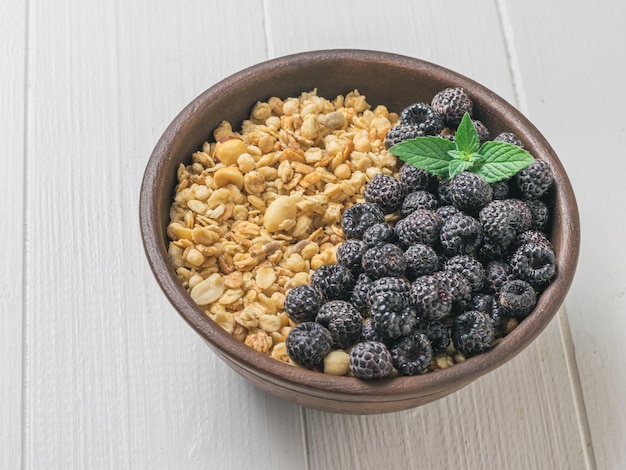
x: 383, y: 78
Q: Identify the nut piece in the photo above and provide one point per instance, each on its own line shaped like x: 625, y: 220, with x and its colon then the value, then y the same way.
x: 281, y: 209
x: 228, y: 150
x: 209, y: 290
x: 334, y: 120
x: 228, y: 175
x: 337, y: 363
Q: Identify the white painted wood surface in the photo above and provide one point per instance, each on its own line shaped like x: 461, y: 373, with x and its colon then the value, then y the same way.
x: 12, y: 229
x: 573, y: 76
x: 97, y: 369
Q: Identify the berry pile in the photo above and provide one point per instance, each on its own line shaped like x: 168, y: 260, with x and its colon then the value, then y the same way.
x: 429, y: 265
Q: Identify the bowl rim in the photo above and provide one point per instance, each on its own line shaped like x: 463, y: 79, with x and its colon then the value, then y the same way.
x: 337, y: 388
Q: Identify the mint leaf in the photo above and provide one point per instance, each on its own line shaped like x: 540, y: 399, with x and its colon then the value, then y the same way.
x: 469, y: 157
x: 428, y: 153
x: 457, y: 166
x: 501, y: 161
x: 494, y: 161
x: 466, y: 137
x: 477, y: 158
x: 458, y: 154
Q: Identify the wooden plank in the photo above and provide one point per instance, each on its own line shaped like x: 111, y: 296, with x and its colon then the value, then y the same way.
x: 407, y: 28
x: 572, y: 67
x: 115, y: 378
x: 524, y: 412
x: 517, y: 417
x: 12, y: 102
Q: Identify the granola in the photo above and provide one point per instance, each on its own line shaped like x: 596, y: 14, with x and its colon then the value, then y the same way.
x: 258, y: 209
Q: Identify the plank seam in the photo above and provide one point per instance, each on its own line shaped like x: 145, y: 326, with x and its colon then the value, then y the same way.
x: 305, y: 439
x: 25, y: 392
x: 269, y: 50
x: 511, y: 53
x: 576, y: 386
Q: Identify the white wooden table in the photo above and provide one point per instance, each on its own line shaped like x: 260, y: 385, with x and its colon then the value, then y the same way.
x: 97, y: 369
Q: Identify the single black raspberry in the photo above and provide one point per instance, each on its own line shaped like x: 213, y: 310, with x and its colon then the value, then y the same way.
x: 452, y: 104
x: 534, y: 263
x: 335, y: 281
x: 384, y: 261
x: 496, y: 274
x: 386, y: 191
x: 420, y: 260
x: 350, y: 253
x: 390, y: 285
x: 308, y: 343
x: 509, y: 138
x: 499, y: 222
x: 391, y: 322
x: 302, y: 303
x: 482, y: 302
x: 342, y: 320
x: 481, y: 129
x: 517, y: 298
x: 412, y: 354
x: 443, y: 192
x: 492, y: 251
x: 458, y: 286
x: 360, y: 294
x: 500, y: 189
x: 523, y: 217
x: 415, y: 179
x: 379, y: 234
x: 472, y: 332
x: 388, y: 299
x: 359, y: 217
x: 401, y: 133
x: 431, y: 297
x: 461, y: 234
x: 469, y: 192
x: 419, y: 200
x: 370, y: 360
x: 437, y: 332
x: 470, y: 268
x: 535, y: 180
x: 533, y: 236
x: 369, y: 333
x: 539, y: 212
x: 488, y: 304
x: 446, y: 211
x: 420, y: 226
x: 423, y: 116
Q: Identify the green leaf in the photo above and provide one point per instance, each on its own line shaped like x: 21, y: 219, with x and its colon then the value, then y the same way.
x: 466, y: 137
x: 468, y: 157
x: 501, y: 161
x: 457, y: 166
x: 428, y: 153
x: 477, y: 158
x: 458, y: 155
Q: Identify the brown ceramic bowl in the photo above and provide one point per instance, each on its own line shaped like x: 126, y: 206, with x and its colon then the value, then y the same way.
x: 395, y: 81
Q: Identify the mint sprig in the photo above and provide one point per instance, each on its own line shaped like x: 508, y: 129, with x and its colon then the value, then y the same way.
x: 494, y: 161
x: 428, y: 153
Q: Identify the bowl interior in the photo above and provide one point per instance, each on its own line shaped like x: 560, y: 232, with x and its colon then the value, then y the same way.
x: 389, y: 79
